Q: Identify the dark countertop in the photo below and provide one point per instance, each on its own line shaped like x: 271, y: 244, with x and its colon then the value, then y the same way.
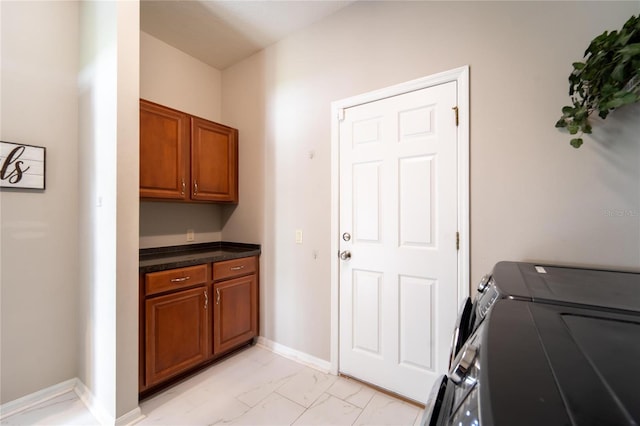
x: 161, y: 258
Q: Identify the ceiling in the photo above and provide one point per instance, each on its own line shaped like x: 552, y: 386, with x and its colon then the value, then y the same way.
x: 221, y: 33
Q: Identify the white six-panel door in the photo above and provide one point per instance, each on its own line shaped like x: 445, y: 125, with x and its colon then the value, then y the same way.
x: 398, y: 204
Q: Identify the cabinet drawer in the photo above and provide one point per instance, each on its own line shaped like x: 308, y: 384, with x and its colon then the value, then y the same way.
x: 234, y: 268
x: 173, y: 279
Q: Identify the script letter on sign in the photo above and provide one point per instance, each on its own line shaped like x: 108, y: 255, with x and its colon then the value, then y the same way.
x: 21, y: 166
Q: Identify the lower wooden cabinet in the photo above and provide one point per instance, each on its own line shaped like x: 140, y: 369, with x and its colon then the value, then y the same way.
x: 235, y: 314
x: 176, y: 333
x: 190, y: 316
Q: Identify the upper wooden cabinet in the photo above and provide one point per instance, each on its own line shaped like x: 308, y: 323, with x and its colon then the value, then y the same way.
x: 187, y: 158
x: 164, y: 152
x: 214, y: 161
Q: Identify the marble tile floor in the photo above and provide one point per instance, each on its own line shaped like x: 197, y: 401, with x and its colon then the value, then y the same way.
x: 253, y: 387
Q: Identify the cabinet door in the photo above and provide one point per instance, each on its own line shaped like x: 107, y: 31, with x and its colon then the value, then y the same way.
x: 235, y: 313
x: 164, y: 152
x: 176, y: 333
x: 214, y: 161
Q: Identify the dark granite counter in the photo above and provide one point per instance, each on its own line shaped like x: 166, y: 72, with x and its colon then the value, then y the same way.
x: 161, y: 258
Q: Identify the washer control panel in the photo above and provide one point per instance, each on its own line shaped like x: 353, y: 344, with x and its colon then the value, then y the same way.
x: 486, y: 298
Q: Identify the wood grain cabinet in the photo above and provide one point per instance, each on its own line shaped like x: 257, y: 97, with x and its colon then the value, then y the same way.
x: 235, y: 312
x: 186, y: 158
x: 176, y: 322
x: 193, y: 315
x: 214, y: 161
x: 164, y: 152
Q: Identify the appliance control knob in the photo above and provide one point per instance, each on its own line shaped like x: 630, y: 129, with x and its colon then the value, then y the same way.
x: 484, y: 283
x: 461, y: 370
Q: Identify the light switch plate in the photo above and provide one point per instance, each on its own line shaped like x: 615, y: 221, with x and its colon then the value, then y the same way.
x: 190, y: 235
x: 298, y: 236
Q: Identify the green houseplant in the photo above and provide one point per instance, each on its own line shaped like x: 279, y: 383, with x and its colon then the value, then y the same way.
x: 608, y: 78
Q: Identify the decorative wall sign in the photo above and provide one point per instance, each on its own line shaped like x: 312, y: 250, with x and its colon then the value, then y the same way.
x: 21, y: 166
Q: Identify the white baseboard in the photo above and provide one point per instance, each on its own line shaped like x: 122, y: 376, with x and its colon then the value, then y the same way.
x: 100, y: 413
x: 295, y: 355
x: 76, y: 386
x: 92, y: 404
x: 21, y: 404
x: 131, y: 418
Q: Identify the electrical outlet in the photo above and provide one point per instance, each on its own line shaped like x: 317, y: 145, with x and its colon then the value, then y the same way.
x: 190, y: 235
x: 298, y: 236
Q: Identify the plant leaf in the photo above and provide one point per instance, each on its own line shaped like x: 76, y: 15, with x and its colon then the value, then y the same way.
x: 631, y: 49
x: 618, y: 72
x: 573, y: 127
x: 629, y: 98
x: 576, y: 142
x: 614, y: 103
x: 580, y: 114
x: 624, y: 38
x: 561, y: 123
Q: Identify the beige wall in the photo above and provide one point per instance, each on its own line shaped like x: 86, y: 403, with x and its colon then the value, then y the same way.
x: 170, y: 77
x: 125, y: 308
x: 69, y: 253
x: 533, y: 197
x: 108, y: 152
x: 39, y: 236
x: 173, y: 78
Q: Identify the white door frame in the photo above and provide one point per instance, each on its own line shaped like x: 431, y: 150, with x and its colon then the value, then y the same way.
x: 459, y: 75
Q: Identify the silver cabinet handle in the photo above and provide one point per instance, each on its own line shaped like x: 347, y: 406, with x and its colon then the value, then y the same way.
x: 183, y: 187
x: 179, y: 280
x: 345, y: 255
x: 217, y: 296
x: 237, y: 268
x: 206, y: 299
x: 195, y: 187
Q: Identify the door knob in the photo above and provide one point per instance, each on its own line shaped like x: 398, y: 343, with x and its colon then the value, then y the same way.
x: 345, y: 255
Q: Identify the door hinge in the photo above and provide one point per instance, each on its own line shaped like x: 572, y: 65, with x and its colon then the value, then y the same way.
x: 341, y: 114
x: 455, y: 110
x: 457, y: 240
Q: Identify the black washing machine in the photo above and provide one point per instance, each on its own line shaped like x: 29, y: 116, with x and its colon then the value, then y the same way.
x: 544, y: 345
